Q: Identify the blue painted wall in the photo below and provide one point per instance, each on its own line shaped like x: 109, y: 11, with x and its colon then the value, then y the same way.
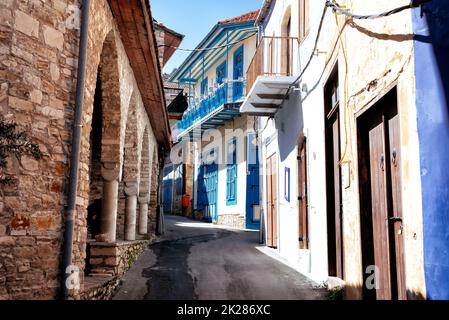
x: 432, y: 97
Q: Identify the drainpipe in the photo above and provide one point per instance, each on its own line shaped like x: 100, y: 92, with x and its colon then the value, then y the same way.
x: 75, y: 155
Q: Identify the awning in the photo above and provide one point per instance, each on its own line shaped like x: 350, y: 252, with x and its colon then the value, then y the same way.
x: 266, y: 95
x: 226, y: 112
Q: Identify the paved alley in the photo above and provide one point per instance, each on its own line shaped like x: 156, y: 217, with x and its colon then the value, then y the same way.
x: 196, y: 260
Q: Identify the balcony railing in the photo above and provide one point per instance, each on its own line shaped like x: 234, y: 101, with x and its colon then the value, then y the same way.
x: 230, y: 91
x: 274, y: 56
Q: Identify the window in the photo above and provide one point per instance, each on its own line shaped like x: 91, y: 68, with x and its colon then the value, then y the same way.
x: 204, y: 85
x: 303, y: 18
x: 221, y: 72
x: 231, y: 172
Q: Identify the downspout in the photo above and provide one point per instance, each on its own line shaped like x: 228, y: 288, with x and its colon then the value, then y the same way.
x: 75, y: 154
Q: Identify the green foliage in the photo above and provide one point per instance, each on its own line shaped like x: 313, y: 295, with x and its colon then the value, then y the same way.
x: 15, y: 143
x: 335, y: 294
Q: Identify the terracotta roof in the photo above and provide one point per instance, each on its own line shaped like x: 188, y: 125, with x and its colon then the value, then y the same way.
x: 246, y: 17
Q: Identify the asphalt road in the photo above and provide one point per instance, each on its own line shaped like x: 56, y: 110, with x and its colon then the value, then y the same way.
x: 196, y: 260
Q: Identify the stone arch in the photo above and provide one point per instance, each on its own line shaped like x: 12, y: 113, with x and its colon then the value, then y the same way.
x: 130, y: 171
x: 153, y: 191
x: 109, y: 73
x: 144, y: 184
x: 104, y: 108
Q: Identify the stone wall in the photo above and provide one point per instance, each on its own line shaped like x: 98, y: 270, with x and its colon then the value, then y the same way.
x: 38, y: 58
x: 114, y: 259
x: 38, y: 61
x: 236, y: 221
x: 101, y: 291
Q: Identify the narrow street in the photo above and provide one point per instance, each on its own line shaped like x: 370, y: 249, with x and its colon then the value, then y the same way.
x: 195, y: 260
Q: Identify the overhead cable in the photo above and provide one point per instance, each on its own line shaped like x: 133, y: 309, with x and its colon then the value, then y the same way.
x: 413, y: 4
x: 334, y: 5
x: 210, y: 48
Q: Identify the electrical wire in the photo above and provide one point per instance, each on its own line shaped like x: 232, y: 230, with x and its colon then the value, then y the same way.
x: 208, y: 49
x: 345, y: 90
x: 332, y: 4
x: 315, y: 47
x: 336, y: 7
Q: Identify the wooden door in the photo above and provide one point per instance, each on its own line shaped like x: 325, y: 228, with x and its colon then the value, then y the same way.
x: 303, y: 237
x: 380, y: 196
x: 237, y: 87
x: 272, y: 236
x: 337, y: 195
x: 333, y: 177
x: 380, y: 209
x: 395, y: 220
x: 334, y: 204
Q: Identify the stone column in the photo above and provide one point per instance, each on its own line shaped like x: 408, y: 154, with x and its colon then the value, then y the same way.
x: 143, y: 214
x: 110, y: 172
x: 130, y: 211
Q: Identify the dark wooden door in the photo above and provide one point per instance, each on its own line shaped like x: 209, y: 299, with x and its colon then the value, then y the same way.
x: 272, y: 237
x: 303, y: 236
x: 380, y: 197
x: 380, y: 209
x: 334, y: 205
x: 333, y: 177
x: 395, y: 220
x: 337, y: 195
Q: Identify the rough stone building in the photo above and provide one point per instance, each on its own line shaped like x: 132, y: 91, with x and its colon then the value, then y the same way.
x: 125, y: 132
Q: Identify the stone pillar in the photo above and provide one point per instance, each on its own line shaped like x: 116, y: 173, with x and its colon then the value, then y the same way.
x: 130, y: 211
x: 143, y: 215
x: 110, y: 172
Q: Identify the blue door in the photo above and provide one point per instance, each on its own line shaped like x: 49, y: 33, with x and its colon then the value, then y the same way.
x: 237, y: 88
x: 168, y: 189
x: 207, y: 189
x: 252, y: 182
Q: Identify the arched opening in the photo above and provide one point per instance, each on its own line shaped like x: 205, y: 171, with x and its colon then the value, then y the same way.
x: 104, y: 146
x: 287, y: 45
x: 95, y: 179
x: 153, y: 192
x: 129, y: 184
x: 144, y: 186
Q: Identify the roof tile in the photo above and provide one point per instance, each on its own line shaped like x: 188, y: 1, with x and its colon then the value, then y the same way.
x: 246, y: 17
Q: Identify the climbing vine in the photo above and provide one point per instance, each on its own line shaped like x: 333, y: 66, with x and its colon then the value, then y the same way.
x: 16, y: 143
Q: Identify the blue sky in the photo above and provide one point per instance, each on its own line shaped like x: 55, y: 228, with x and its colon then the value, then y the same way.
x: 195, y: 18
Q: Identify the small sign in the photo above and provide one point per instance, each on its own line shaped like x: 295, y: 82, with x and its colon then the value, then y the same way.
x: 287, y: 184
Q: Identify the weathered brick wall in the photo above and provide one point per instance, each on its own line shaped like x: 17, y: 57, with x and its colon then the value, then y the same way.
x: 38, y: 59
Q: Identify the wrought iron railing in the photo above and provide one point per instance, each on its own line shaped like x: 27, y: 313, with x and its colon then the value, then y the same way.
x: 274, y: 56
x: 230, y: 91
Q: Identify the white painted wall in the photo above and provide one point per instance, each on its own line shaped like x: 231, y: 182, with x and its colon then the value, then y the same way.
x: 240, y: 123
x: 294, y: 121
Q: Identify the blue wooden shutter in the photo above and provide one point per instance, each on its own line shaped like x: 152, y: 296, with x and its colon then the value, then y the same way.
x: 231, y: 173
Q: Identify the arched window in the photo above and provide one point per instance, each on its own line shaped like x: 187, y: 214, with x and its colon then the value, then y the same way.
x: 287, y: 48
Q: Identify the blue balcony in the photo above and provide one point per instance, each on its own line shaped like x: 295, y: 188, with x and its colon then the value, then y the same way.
x: 229, y: 92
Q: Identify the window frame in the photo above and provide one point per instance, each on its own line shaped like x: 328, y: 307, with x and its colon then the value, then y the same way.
x: 231, y: 169
x: 204, y: 86
x: 304, y: 19
x: 223, y: 66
